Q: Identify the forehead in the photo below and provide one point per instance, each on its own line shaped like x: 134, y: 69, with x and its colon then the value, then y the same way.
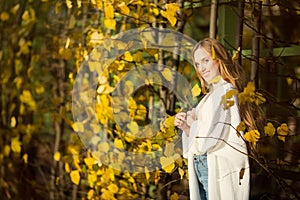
x: 200, y: 53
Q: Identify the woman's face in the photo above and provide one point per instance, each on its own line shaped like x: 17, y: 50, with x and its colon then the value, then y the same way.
x: 205, y: 65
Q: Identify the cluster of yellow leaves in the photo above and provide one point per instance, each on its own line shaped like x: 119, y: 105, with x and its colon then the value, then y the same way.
x: 170, y: 13
x: 250, y: 95
x: 137, y: 111
x: 227, y: 99
x: 253, y: 136
x: 282, y: 131
x: 27, y: 99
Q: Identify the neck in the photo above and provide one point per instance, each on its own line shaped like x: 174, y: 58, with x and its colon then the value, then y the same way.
x: 218, y: 84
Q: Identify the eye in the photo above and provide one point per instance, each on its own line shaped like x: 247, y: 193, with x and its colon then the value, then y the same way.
x: 206, y: 60
x: 197, y: 65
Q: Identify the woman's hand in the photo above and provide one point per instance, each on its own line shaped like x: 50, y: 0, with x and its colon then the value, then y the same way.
x: 191, y: 117
x: 184, y: 120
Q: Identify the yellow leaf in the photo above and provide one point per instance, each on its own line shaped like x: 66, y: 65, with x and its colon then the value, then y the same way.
x: 147, y: 174
x: 174, y: 196
x: 67, y: 167
x: 169, y: 151
x: 236, y: 55
x: 133, y: 127
x: 109, y: 11
x: 90, y: 194
x: 213, y: 52
x: 39, y: 88
x: 56, y: 156
x: 78, y: 127
x: 269, y: 129
x: 282, y: 131
x: 6, y: 150
x: 110, y: 24
x: 95, y: 128
x: 289, y: 81
x: 138, y: 57
x: 15, y: 145
x: 15, y: 9
x: 25, y: 158
x: 75, y: 177
x: 252, y: 136
x: 96, y: 38
x: 167, y: 164
x: 103, y: 147
x: 170, y: 13
x: 4, y: 16
x: 26, y: 15
x: 13, y: 122
x: 196, y: 90
x: 167, y: 74
x: 128, y: 57
x: 230, y: 93
x: 118, y: 143
x: 89, y: 162
x: 241, y: 127
x: 79, y: 3
x: 155, y: 11
x: 97, y: 3
x: 113, y: 188
x: 215, y: 79
x: 169, y: 122
x: 69, y: 3
x: 226, y: 100
x: 27, y: 98
x: 123, y: 8
x: 181, y: 172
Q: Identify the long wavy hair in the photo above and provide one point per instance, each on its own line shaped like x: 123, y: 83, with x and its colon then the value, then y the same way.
x: 233, y: 73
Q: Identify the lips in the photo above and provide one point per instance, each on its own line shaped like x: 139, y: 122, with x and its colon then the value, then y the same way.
x: 205, y: 73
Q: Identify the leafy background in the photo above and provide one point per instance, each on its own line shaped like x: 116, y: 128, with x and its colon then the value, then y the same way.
x: 43, y: 44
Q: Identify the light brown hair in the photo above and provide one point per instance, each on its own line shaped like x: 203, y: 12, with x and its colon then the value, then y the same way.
x: 233, y: 73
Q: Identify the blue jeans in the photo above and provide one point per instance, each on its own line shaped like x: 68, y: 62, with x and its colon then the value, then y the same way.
x: 201, y: 169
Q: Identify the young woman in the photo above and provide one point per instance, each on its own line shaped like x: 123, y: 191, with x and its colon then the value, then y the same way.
x: 217, y: 157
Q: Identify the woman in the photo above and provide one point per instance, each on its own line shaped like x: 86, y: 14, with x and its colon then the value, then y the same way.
x: 217, y: 157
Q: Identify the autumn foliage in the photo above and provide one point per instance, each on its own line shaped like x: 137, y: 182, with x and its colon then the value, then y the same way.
x: 124, y: 144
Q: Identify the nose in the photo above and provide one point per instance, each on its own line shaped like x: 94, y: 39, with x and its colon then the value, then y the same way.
x: 202, y: 68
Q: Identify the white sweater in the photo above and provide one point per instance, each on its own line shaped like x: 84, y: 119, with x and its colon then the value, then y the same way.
x: 211, y: 133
